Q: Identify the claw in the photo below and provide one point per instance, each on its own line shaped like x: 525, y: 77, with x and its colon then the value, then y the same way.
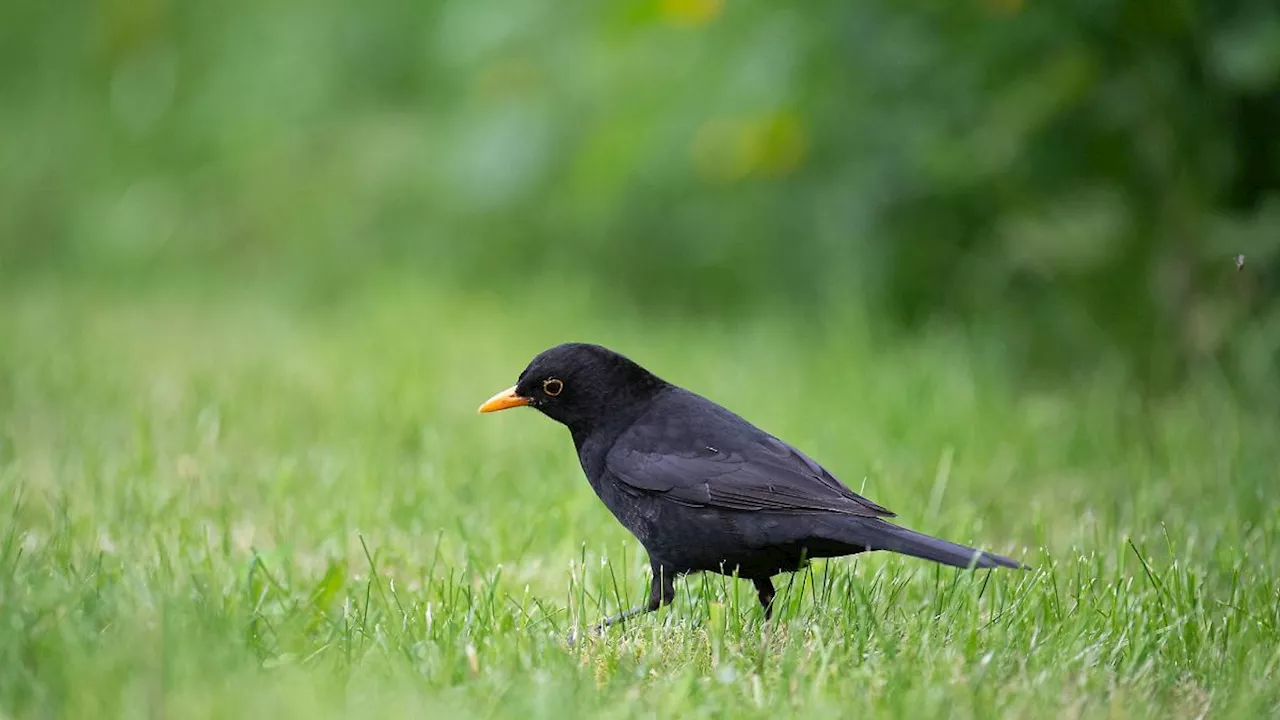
x: 572, y: 638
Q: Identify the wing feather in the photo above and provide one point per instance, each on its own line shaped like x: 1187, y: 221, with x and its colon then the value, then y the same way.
x: 708, y: 457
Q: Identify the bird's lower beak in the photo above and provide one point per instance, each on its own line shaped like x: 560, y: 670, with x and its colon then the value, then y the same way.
x: 504, y: 400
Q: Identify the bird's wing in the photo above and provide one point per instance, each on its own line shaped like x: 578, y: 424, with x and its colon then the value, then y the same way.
x: 712, y: 458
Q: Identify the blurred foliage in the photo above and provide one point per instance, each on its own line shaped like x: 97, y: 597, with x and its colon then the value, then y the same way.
x: 1077, y: 177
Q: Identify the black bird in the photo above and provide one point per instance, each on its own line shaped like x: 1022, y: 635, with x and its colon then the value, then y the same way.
x: 701, y: 488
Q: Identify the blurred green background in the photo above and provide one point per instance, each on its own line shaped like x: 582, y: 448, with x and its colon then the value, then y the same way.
x: 1074, y: 178
x: 261, y: 260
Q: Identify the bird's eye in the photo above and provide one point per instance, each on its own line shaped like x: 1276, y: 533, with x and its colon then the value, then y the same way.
x: 552, y: 386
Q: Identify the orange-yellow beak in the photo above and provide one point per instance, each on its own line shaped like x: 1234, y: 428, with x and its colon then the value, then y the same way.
x: 504, y: 400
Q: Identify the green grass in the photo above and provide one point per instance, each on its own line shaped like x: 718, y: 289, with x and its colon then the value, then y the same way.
x: 234, y: 504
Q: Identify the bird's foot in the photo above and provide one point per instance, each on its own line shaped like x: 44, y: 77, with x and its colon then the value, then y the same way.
x: 622, y: 617
x: 574, y: 636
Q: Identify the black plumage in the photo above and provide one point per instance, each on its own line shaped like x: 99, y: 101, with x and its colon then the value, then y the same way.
x: 701, y: 488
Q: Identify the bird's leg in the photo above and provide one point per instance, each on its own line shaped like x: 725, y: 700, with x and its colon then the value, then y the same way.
x: 764, y: 590
x: 661, y: 592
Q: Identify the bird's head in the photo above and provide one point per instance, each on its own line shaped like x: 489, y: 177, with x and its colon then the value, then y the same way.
x: 580, y: 385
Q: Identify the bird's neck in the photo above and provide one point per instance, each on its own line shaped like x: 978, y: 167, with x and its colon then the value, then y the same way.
x: 603, y: 433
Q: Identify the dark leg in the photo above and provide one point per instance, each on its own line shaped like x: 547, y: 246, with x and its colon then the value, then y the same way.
x: 661, y: 592
x: 764, y: 590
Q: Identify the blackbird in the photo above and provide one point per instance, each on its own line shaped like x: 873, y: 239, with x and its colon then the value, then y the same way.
x: 701, y: 488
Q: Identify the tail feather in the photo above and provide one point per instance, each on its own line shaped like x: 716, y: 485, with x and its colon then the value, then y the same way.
x: 881, y: 535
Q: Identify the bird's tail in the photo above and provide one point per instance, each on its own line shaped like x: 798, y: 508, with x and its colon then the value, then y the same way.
x: 881, y: 535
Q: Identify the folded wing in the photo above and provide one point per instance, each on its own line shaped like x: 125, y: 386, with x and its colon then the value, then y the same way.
x: 709, y: 457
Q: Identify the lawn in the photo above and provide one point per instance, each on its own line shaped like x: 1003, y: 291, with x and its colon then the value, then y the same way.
x: 240, y: 502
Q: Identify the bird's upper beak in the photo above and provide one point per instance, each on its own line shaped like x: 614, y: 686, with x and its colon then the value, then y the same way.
x: 503, y: 401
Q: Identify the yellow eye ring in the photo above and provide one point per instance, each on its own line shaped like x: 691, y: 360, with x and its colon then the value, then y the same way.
x: 552, y: 386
